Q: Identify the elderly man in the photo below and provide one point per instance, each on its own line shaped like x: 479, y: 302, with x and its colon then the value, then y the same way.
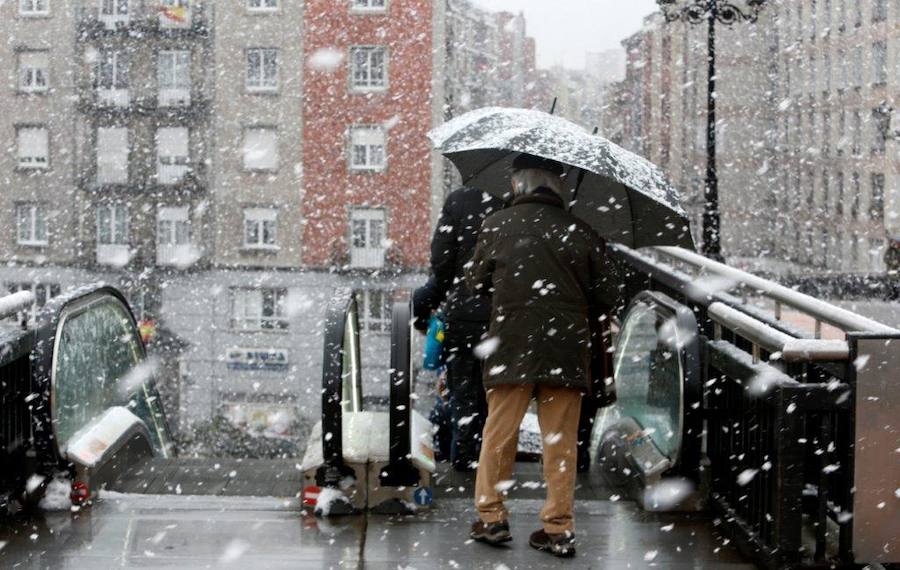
x: 550, y: 278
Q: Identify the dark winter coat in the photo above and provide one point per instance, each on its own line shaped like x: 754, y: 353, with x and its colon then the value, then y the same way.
x: 550, y: 277
x: 451, y: 248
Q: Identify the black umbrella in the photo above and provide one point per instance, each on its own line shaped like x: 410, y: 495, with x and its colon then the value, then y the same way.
x: 625, y: 198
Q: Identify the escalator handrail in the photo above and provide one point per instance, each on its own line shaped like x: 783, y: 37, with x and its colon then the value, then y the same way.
x: 400, y: 471
x: 50, y: 457
x: 333, y: 468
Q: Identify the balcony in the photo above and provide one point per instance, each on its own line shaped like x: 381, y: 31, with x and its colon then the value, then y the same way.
x: 367, y: 257
x: 177, y: 104
x: 113, y: 97
x: 114, y: 22
x: 177, y: 255
x: 113, y: 254
x: 93, y: 26
x: 175, y: 97
x: 172, y: 170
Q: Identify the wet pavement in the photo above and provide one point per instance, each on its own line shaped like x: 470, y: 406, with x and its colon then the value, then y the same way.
x: 172, y: 531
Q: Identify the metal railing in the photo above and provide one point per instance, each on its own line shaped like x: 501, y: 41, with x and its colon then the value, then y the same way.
x: 15, y: 416
x: 780, y: 408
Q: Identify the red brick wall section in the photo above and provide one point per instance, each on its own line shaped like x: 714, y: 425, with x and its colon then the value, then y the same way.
x: 330, y: 109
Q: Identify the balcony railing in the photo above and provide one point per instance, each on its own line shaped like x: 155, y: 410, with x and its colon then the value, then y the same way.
x: 367, y: 257
x: 180, y: 255
x: 113, y: 97
x: 172, y: 170
x: 178, y: 97
x: 113, y: 254
x: 114, y: 21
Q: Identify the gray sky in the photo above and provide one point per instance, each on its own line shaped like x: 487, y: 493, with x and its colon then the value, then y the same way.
x: 566, y: 29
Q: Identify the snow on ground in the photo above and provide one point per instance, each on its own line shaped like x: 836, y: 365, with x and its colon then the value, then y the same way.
x: 56, y: 498
x: 328, y: 497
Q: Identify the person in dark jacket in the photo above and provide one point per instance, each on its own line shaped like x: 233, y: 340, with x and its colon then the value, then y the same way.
x: 550, y: 277
x: 466, y: 316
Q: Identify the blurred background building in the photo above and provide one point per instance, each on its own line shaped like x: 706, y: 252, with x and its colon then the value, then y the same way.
x: 809, y: 175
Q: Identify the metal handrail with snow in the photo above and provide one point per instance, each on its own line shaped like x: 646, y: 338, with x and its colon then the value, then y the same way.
x: 12, y: 305
x: 843, y: 319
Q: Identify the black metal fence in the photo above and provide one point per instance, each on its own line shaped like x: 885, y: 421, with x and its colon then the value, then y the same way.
x: 779, y: 440
x: 15, y: 417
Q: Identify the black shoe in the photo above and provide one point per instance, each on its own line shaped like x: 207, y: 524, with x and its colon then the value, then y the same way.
x: 491, y: 533
x: 561, y: 545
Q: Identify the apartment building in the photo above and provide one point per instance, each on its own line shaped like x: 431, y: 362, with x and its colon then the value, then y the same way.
x: 807, y: 147
x: 228, y: 164
x: 39, y: 159
x: 839, y: 85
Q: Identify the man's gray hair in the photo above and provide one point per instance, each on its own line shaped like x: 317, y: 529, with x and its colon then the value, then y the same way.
x: 530, y: 179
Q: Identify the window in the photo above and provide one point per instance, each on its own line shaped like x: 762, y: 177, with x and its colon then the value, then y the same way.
x: 879, y: 63
x: 33, y: 67
x: 369, y: 68
x: 854, y: 200
x: 31, y: 225
x: 826, y: 132
x: 826, y: 192
x: 262, y: 69
x: 262, y: 5
x: 375, y: 310
x: 33, y: 147
x: 857, y: 66
x: 367, y: 148
x: 881, y: 123
x: 857, y: 13
x: 112, y: 77
x: 114, y: 13
x: 174, y: 78
x: 173, y: 235
x: 112, y: 155
x: 879, y: 10
x: 844, y: 69
x: 261, y: 149
x: 857, y: 133
x: 259, y: 309
x: 839, y: 199
x: 34, y: 7
x: 368, y: 5
x: 367, y: 233
x: 112, y: 235
x: 876, y: 206
x: 172, y: 154
x: 260, y: 228
x: 112, y: 225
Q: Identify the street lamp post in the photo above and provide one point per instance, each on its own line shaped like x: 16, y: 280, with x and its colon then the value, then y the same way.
x: 710, y: 12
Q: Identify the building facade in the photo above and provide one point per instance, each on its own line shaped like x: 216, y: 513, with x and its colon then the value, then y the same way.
x: 807, y: 149
x: 229, y: 164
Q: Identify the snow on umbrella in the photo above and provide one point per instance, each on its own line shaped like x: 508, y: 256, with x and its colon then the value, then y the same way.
x: 625, y: 198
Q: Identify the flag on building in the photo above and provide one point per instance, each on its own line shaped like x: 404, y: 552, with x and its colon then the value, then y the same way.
x: 174, y: 13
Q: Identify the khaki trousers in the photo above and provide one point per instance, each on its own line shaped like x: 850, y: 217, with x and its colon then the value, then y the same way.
x: 558, y: 412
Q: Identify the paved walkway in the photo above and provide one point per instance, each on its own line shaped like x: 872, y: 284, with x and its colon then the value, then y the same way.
x: 171, y: 531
